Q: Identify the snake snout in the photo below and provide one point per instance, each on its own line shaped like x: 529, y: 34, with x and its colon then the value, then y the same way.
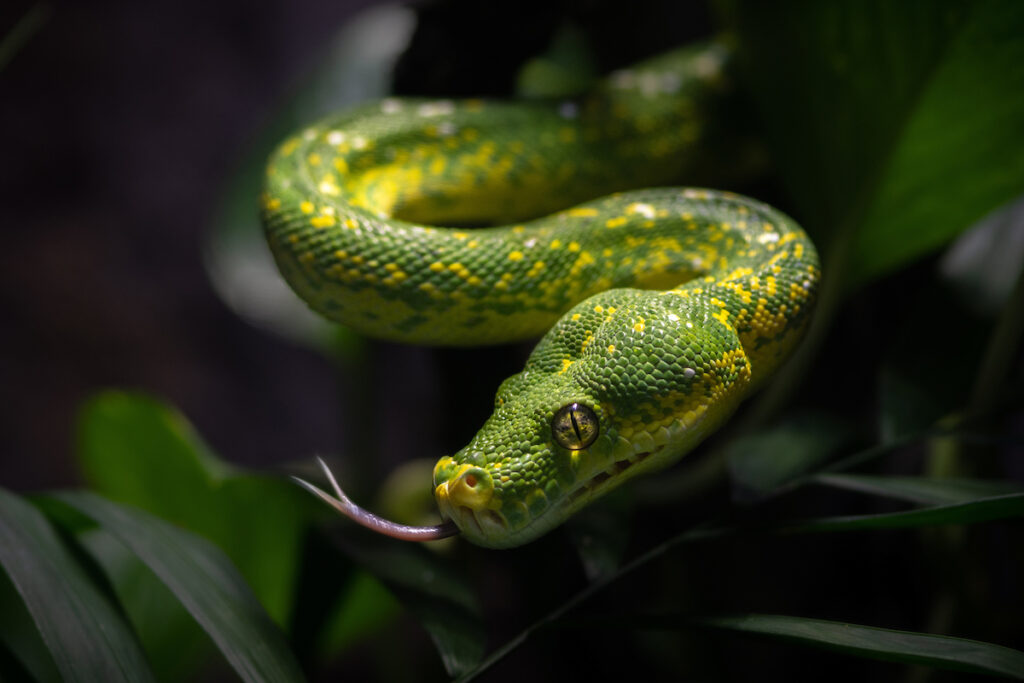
x: 465, y: 494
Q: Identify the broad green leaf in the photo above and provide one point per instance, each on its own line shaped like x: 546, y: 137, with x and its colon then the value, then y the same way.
x: 175, y: 645
x: 895, y: 125
x: 23, y: 654
x: 205, y: 582
x: 983, y: 510
x: 84, y: 633
x: 436, y: 594
x: 907, y: 647
x: 921, y: 490
x: 134, y: 449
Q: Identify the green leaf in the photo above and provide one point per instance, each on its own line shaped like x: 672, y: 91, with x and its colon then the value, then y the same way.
x: 175, y: 645
x: 895, y: 125
x: 983, y: 510
x: 205, y: 581
x: 84, y: 633
x: 920, y: 490
x: 436, y: 594
x: 134, y: 449
x: 943, y: 652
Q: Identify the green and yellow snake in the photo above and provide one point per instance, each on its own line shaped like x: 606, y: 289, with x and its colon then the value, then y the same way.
x: 661, y: 309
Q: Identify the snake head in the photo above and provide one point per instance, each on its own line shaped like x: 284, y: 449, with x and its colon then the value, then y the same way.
x: 513, y: 481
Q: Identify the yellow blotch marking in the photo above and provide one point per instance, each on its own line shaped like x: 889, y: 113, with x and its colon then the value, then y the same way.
x: 460, y: 235
x: 341, y: 254
x: 519, y: 229
x: 289, y: 147
x: 322, y: 221
x: 535, y: 269
x: 555, y: 244
x: 583, y: 212
x: 436, y: 266
x: 351, y: 224
x: 565, y: 365
x: 611, y: 348
x: 615, y: 222
x: 575, y: 316
x: 770, y: 285
x: 473, y: 244
x: 574, y: 246
x: 639, y: 326
x: 314, y: 159
x: 515, y: 256
x: 340, y: 165
x: 598, y: 309
x: 306, y: 207
x: 294, y: 239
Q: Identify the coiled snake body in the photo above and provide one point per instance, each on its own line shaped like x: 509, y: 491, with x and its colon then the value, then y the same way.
x: 663, y: 308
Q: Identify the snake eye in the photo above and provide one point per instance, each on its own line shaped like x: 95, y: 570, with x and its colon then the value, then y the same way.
x: 574, y: 426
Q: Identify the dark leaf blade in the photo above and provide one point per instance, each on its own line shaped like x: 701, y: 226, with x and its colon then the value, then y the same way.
x: 86, y: 636
x: 973, y: 512
x: 901, y: 128
x: 205, y: 581
x: 945, y: 652
x: 921, y: 490
x: 435, y: 593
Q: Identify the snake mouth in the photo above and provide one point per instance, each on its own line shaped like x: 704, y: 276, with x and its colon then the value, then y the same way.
x: 480, y: 523
x: 596, y: 484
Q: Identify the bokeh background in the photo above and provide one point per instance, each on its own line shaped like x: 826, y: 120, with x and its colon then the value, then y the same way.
x: 132, y: 138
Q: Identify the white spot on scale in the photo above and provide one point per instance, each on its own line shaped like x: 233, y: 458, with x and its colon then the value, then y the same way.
x: 438, y: 108
x: 359, y: 142
x: 309, y: 134
x: 708, y: 66
x: 335, y: 137
x: 645, y: 210
x: 806, y: 284
x: 530, y: 243
x: 766, y: 237
x: 689, y: 324
x: 568, y: 110
x: 688, y: 373
x: 673, y: 317
x: 390, y: 105
x: 446, y: 129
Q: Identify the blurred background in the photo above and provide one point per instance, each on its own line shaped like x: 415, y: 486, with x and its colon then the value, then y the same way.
x: 133, y: 137
x: 125, y: 126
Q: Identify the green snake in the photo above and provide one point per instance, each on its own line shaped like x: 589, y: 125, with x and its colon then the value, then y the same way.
x: 660, y: 309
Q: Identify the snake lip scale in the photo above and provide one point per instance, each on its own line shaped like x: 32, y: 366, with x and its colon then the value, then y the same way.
x: 659, y: 310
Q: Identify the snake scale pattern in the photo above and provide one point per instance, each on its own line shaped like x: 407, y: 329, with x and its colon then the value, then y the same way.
x: 660, y: 309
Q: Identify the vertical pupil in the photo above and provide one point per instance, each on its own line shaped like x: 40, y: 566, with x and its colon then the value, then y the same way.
x: 575, y: 424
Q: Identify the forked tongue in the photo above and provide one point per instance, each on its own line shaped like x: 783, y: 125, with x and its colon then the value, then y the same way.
x: 342, y: 504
